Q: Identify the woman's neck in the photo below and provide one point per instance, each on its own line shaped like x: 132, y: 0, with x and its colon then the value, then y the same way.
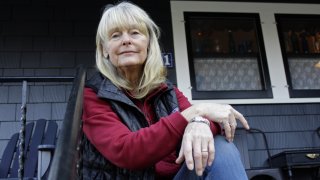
x: 132, y: 74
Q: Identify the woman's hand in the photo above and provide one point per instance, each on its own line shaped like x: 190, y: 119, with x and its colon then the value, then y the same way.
x: 197, y: 147
x: 223, y: 114
x: 226, y: 116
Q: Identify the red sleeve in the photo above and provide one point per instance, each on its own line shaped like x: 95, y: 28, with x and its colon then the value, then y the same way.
x: 215, y: 128
x: 132, y: 150
x: 182, y: 100
x: 126, y: 149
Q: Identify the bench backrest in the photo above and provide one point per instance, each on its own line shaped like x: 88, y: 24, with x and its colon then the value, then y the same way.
x: 41, y: 132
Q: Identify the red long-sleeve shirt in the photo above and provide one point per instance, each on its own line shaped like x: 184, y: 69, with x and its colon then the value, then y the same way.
x: 153, y: 145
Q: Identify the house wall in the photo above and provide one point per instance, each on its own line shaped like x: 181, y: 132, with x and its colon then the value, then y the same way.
x: 288, y: 123
x: 42, y: 38
x: 51, y: 37
x: 266, y: 12
x: 286, y: 127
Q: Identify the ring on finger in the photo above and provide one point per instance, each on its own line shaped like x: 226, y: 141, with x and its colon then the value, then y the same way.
x: 233, y: 124
x: 224, y: 123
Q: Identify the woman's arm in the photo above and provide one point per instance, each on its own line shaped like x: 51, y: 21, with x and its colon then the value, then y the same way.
x: 197, y: 147
x: 223, y: 114
x: 188, y: 114
x: 131, y: 150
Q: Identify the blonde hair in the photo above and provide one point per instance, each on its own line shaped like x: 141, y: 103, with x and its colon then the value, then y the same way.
x: 126, y: 15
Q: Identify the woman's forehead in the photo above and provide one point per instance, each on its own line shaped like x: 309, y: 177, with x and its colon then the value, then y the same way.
x: 126, y: 26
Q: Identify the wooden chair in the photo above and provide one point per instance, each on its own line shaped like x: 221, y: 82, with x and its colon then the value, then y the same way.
x: 40, y: 133
x: 255, y: 173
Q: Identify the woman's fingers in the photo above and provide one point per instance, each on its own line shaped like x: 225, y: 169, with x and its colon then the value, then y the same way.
x: 187, y: 148
x: 227, y: 130
x: 241, y: 118
x: 211, y: 151
x: 205, y: 153
x: 227, y: 116
x: 180, y: 158
x: 198, y: 155
x: 233, y: 125
x: 197, y: 147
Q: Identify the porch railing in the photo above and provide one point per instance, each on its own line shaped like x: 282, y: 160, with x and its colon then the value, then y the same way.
x: 23, y: 108
x: 12, y: 79
x: 66, y: 155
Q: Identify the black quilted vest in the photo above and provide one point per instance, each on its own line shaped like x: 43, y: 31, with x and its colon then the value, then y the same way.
x: 94, y: 165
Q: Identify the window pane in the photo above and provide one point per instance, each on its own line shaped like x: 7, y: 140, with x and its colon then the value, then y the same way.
x: 304, y: 74
x: 227, y: 74
x: 226, y: 54
x: 300, y: 44
x: 223, y: 35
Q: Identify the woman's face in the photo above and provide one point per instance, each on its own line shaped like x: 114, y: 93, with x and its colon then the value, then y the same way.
x: 127, y: 47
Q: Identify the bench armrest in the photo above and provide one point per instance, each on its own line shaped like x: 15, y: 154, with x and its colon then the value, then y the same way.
x: 45, y: 156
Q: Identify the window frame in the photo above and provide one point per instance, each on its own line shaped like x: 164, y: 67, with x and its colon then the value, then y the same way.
x: 266, y: 91
x: 295, y: 93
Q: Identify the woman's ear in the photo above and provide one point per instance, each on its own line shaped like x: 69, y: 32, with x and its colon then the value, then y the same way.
x: 105, y: 52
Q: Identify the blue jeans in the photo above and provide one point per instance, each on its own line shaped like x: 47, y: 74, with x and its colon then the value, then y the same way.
x: 226, y: 165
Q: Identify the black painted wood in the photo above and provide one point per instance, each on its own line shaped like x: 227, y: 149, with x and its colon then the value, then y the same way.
x: 36, y: 134
x: 8, y: 156
x: 67, y: 149
x: 51, y: 133
x: 31, y: 161
x: 240, y: 140
x: 286, y: 126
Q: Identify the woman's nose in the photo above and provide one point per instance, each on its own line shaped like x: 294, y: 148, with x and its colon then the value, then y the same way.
x: 126, y: 39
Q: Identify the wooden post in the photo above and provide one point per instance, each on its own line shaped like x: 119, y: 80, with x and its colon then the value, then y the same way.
x: 23, y: 130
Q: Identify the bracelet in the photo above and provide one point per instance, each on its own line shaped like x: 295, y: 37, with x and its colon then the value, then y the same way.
x: 199, y: 119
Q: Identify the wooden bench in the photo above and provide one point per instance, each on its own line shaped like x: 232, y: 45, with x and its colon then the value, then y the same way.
x: 270, y: 172
x: 43, y: 132
x: 298, y: 158
x: 286, y: 127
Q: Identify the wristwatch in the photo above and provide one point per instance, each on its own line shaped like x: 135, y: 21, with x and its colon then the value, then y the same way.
x: 200, y: 119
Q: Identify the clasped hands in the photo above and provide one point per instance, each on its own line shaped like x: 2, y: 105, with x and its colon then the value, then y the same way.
x: 197, y: 148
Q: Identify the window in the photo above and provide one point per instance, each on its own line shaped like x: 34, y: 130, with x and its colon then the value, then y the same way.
x: 226, y: 56
x: 300, y: 45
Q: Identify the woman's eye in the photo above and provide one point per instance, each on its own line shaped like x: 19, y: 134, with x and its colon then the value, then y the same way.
x: 135, y: 32
x: 115, y: 35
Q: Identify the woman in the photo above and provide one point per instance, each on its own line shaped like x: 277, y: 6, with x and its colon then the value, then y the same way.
x: 139, y: 126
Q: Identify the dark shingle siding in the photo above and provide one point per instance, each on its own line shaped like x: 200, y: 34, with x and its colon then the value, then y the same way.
x: 286, y: 126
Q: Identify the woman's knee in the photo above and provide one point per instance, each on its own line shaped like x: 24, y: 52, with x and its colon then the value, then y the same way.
x: 225, y: 150
x: 227, y: 156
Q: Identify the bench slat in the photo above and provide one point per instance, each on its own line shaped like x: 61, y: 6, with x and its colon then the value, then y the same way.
x: 8, y: 156
x: 51, y: 133
x: 32, y: 160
